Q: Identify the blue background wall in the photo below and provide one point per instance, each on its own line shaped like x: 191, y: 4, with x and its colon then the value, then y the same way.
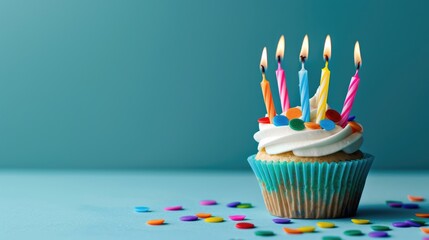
x: 175, y: 84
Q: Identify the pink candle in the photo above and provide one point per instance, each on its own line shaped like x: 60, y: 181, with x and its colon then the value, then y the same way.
x: 281, y: 77
x: 353, y: 87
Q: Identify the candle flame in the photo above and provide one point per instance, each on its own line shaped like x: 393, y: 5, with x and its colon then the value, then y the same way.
x: 304, y: 49
x: 263, y: 65
x: 280, y: 48
x: 327, y: 48
x: 358, y: 60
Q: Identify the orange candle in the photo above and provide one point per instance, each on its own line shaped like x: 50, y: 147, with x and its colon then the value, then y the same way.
x: 265, y: 86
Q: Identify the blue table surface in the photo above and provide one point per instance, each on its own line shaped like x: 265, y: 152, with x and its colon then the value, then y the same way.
x: 100, y: 205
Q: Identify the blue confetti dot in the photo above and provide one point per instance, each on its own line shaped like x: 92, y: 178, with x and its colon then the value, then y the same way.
x: 280, y: 120
x: 351, y: 118
x: 141, y: 209
x: 327, y: 124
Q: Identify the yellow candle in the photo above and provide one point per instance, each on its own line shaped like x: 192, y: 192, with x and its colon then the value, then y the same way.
x: 324, y: 82
x: 266, y: 90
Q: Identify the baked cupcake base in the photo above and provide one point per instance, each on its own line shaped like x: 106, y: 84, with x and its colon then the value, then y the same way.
x: 312, y: 189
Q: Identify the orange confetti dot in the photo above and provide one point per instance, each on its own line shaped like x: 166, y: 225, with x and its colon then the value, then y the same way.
x: 415, y: 198
x: 356, y: 127
x: 425, y: 230
x: 155, y: 222
x: 422, y: 215
x: 312, y: 125
x: 293, y: 113
x: 203, y: 215
x: 292, y: 231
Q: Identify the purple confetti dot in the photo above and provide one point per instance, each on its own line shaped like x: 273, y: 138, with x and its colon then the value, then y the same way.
x: 351, y: 118
x: 401, y: 224
x: 281, y: 220
x: 378, y: 234
x: 412, y: 224
x: 233, y: 204
x: 208, y: 202
x: 395, y: 205
x: 425, y: 238
x: 189, y: 218
x: 410, y: 205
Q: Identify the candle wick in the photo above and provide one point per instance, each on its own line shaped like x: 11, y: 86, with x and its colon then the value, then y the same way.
x: 263, y: 69
x: 303, y: 58
x: 358, y: 66
x: 279, y: 59
x: 326, y: 58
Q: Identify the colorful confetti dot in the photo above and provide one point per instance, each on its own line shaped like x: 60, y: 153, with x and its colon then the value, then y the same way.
x: 412, y: 224
x: 237, y: 217
x: 422, y: 223
x: 360, y: 221
x: 281, y: 220
x: 400, y: 224
x: 415, y: 198
x: 280, y: 120
x: 353, y: 232
x: 244, y: 205
x: 410, y: 205
x: 213, y: 219
x: 208, y: 202
x: 331, y: 238
x: 264, y: 120
x: 395, y: 205
x: 293, y: 113
x: 233, y: 204
x: 203, y: 215
x: 292, y: 231
x: 155, y: 222
x: 378, y: 234
x: 380, y: 228
x: 306, y: 229
x: 140, y: 209
x: 244, y: 225
x: 327, y: 124
x: 189, y: 218
x: 297, y: 124
x: 173, y: 208
x: 425, y: 230
x: 422, y: 215
x: 333, y: 115
x: 356, y: 127
x: 312, y: 125
x: 264, y: 233
x: 325, y: 224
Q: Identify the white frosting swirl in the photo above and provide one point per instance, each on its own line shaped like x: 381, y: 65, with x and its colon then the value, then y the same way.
x: 308, y: 142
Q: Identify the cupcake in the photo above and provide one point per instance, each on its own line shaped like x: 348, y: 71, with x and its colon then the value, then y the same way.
x: 313, y: 169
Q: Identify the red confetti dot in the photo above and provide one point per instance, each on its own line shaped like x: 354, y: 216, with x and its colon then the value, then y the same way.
x: 333, y: 115
x: 244, y: 225
x: 265, y: 120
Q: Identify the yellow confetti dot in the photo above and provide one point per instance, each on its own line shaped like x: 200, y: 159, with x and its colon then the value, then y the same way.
x: 213, y: 219
x: 325, y: 224
x: 360, y: 221
x: 306, y: 229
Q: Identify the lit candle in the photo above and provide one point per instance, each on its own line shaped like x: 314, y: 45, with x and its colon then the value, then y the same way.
x: 303, y: 82
x: 265, y: 86
x: 353, y: 87
x: 324, y: 82
x: 281, y: 77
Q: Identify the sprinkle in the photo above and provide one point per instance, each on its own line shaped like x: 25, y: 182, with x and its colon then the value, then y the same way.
x: 353, y: 233
x: 422, y: 215
x: 203, y: 215
x: 331, y: 238
x: 378, y: 234
x: 292, y: 231
x: 264, y: 120
x: 356, y: 127
x: 360, y: 221
x: 422, y: 223
x: 380, y: 228
x: 395, y: 205
x: 280, y: 120
x: 213, y: 219
x: 327, y: 124
x: 410, y: 205
x: 244, y: 205
x: 297, y: 124
x: 307, y: 229
x: 237, y: 217
x: 312, y: 125
x: 281, y: 220
x: 351, y: 118
x: 333, y: 115
x: 293, y: 113
x: 189, y: 218
x: 141, y: 209
x: 208, y: 202
x: 425, y: 230
x: 264, y: 233
x: 233, y: 204
x: 155, y: 222
x: 174, y: 208
x: 325, y: 224
x: 415, y: 198
x: 412, y: 224
x: 401, y: 224
x: 244, y: 225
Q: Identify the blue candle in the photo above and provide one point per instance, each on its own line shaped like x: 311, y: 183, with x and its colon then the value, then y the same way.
x: 303, y: 82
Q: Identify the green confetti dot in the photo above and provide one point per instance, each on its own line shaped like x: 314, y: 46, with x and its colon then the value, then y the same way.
x: 423, y: 223
x: 353, y: 233
x: 392, y: 201
x: 331, y: 238
x: 244, y: 205
x: 380, y: 228
x: 264, y: 233
x: 297, y: 124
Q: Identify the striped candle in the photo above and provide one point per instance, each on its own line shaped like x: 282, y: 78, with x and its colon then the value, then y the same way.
x: 324, y: 82
x: 303, y: 82
x: 265, y: 86
x: 281, y: 77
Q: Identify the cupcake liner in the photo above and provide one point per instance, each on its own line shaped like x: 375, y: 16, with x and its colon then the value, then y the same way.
x: 312, y: 189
